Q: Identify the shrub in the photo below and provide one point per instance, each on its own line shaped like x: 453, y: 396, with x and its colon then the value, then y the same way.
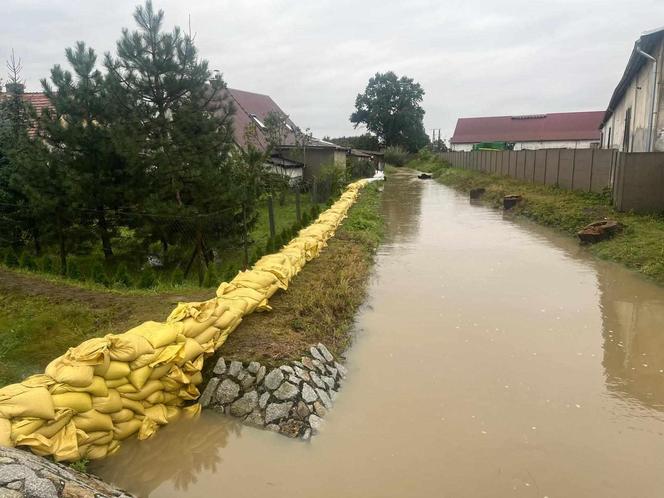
x: 121, y: 278
x: 11, y: 260
x: 98, y: 275
x: 147, y: 279
x: 396, y: 156
x: 211, y: 278
x: 73, y: 270
x: 177, y: 277
x: 360, y: 169
x: 27, y: 262
x: 46, y: 264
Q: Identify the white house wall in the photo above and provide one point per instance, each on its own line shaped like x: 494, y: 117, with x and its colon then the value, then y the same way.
x: 545, y: 144
x: 638, y: 97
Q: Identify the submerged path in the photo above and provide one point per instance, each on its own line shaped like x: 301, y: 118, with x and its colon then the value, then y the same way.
x: 493, y: 359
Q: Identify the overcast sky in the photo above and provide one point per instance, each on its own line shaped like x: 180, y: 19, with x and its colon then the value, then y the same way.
x: 473, y: 57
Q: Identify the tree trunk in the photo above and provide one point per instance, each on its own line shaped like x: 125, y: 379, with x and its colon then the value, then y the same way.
x: 270, y: 216
x: 103, y: 231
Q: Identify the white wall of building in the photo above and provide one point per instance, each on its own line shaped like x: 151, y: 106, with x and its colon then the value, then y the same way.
x: 545, y: 144
x: 638, y: 98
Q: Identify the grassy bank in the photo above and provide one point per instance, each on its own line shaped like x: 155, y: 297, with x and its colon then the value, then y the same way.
x: 322, y: 300
x: 639, y: 247
x: 41, y: 317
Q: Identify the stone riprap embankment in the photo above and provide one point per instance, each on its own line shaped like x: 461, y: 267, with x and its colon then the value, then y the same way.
x: 291, y: 399
x: 24, y: 475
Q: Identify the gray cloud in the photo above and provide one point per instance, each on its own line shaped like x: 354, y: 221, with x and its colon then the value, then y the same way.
x: 473, y: 57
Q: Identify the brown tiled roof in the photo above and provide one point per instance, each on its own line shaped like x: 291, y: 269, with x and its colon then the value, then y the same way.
x: 530, y: 128
x: 38, y: 101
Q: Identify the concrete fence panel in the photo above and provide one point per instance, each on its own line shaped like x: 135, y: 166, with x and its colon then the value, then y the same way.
x: 540, y: 166
x: 641, y: 179
x: 583, y: 162
x: 552, y: 160
x: 566, y: 168
x: 601, y: 167
x: 513, y: 164
x: 530, y: 166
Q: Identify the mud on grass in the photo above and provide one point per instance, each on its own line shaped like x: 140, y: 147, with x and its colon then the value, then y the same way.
x: 639, y: 247
x: 321, y: 302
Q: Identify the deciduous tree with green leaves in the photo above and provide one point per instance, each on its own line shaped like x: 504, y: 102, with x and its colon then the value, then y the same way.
x: 390, y: 108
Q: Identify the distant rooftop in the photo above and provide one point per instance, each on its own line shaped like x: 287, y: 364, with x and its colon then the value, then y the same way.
x: 529, y: 128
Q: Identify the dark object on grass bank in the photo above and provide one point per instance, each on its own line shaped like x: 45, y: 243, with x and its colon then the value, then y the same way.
x: 509, y: 201
x: 425, y: 176
x: 476, y: 193
x: 598, y: 231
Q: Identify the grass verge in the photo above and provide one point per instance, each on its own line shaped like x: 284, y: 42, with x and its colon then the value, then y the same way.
x: 321, y: 302
x: 639, y: 247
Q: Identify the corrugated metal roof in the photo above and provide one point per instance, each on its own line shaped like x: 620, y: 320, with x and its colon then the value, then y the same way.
x: 529, y: 128
x: 647, y: 41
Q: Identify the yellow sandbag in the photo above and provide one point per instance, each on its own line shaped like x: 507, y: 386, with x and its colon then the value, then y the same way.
x: 177, y: 375
x: 192, y: 411
x: 63, y: 416
x: 91, y: 352
x: 209, y: 334
x: 134, y: 406
x: 148, y: 429
x: 127, y: 347
x: 169, y: 397
x: 97, y: 387
x: 123, y: 430
x: 172, y: 413
x: 196, y: 365
x: 25, y: 426
x: 157, y: 413
x: 5, y: 433
x: 192, y: 349
x: 97, y: 437
x: 159, y: 372
x: 196, y: 378
x: 139, y: 377
x: 115, y: 370
x: 114, y: 384
x: 113, y: 447
x: 94, y: 451
x: 39, y: 380
x: 108, y: 404
x: 17, y: 400
x: 150, y: 387
x: 221, y: 339
x: 228, y: 321
x: 155, y: 398
x: 201, y: 311
x: 92, y: 421
x: 74, y: 375
x: 192, y: 327
x: 189, y: 392
x: 170, y: 384
x: 123, y: 415
x: 256, y: 279
x: 63, y: 445
x: 79, y: 402
x: 126, y: 388
x: 170, y: 354
x: 156, y: 333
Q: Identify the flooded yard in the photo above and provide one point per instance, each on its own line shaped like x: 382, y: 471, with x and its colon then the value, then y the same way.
x: 493, y: 358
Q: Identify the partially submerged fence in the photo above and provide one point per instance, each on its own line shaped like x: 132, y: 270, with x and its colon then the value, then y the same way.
x: 110, y: 388
x: 636, y: 179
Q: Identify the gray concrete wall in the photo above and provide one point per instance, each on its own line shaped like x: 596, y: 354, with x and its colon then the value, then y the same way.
x: 640, y: 182
x: 637, y: 179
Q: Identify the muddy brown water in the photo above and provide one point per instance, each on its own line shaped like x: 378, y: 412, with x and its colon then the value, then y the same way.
x: 493, y: 358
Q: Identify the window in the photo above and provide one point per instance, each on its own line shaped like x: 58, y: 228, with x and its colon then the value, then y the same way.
x: 258, y: 121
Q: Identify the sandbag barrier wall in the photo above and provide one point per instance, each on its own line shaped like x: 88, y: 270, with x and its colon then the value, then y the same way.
x: 110, y: 388
x: 587, y: 170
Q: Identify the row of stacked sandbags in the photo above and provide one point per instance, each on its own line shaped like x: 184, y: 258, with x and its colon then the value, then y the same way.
x: 108, y: 389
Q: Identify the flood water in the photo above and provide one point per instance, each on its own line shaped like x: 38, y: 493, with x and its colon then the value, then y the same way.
x: 493, y: 358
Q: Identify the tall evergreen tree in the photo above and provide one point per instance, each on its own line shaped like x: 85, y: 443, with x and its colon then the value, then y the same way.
x: 77, y: 128
x: 175, y: 129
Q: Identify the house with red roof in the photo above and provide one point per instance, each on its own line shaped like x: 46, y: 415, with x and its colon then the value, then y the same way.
x: 298, y: 155
x: 569, y: 130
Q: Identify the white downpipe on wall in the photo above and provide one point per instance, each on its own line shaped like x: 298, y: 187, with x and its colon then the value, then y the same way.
x: 653, y: 110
